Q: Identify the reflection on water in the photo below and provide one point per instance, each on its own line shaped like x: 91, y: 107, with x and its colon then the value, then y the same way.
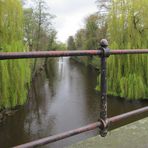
x: 62, y: 97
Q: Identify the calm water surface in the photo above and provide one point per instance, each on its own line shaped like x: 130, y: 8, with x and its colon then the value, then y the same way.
x: 62, y: 97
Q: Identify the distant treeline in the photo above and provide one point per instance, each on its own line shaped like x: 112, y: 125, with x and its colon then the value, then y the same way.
x: 125, y: 25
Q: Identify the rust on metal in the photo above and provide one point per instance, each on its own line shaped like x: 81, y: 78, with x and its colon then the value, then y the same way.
x: 89, y: 127
x: 118, y: 118
x: 103, y: 87
x: 45, y: 54
x: 129, y: 51
x: 61, y: 136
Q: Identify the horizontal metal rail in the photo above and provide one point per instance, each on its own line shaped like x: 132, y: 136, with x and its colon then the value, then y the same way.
x: 128, y: 115
x: 61, y: 136
x: 129, y: 51
x: 89, y: 127
x: 45, y: 54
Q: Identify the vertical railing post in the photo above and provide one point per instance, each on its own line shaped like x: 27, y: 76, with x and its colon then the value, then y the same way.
x: 103, y: 102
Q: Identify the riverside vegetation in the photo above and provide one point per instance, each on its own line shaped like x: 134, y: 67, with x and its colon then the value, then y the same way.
x: 14, y: 74
x: 22, y: 29
x: 125, y: 25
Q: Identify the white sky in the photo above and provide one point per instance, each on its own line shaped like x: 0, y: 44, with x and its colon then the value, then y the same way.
x: 70, y: 15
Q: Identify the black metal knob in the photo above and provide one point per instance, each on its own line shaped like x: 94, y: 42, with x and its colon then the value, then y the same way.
x: 104, y: 48
x: 104, y: 43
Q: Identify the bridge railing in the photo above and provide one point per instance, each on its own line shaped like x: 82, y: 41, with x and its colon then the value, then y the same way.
x: 104, y: 122
x: 47, y: 54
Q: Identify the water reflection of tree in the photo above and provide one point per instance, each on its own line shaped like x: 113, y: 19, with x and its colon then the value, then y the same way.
x: 50, y: 71
x: 38, y: 106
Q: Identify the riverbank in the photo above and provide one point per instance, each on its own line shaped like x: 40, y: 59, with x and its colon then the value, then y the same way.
x: 5, y: 113
x: 8, y: 112
x: 93, y: 62
x: 134, y: 135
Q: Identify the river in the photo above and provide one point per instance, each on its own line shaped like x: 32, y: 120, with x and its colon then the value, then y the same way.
x: 62, y: 97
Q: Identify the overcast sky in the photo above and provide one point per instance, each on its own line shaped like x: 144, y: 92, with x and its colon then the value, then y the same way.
x: 70, y: 15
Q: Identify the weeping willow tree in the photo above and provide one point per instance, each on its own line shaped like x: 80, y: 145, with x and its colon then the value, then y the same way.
x: 128, y: 29
x: 14, y: 74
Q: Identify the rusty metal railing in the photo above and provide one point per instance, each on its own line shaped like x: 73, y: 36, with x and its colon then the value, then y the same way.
x: 47, y: 54
x: 89, y: 127
x: 103, y: 52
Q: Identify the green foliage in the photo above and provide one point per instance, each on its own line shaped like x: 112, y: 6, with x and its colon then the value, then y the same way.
x: 89, y: 37
x: 14, y: 74
x: 91, y: 32
x: 61, y: 46
x: 51, y: 40
x: 39, y: 31
x: 43, y: 20
x: 30, y: 27
x: 9, y: 29
x: 127, y: 29
x: 125, y: 24
x: 71, y: 43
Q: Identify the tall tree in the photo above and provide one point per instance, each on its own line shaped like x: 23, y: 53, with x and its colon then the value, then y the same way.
x: 103, y: 6
x: 14, y: 75
x: 39, y: 32
x: 52, y: 45
x: 38, y: 25
x: 43, y: 19
x: 80, y: 39
x: 88, y: 38
x: 71, y: 43
x: 30, y: 28
x: 128, y: 28
x: 92, y: 32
